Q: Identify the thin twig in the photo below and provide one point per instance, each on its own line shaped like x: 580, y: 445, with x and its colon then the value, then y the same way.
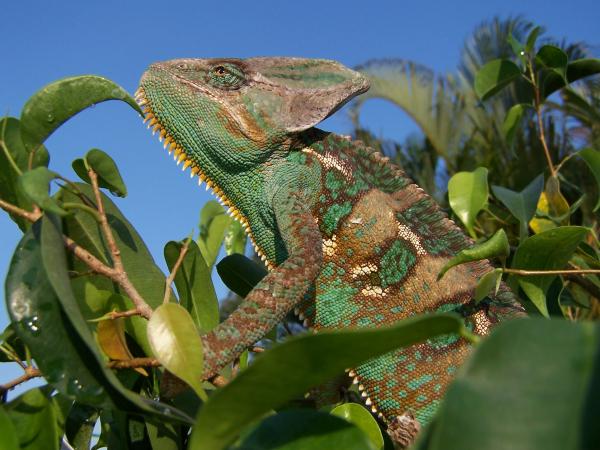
x: 133, y: 363
x: 118, y: 314
x: 171, y: 277
x: 538, y: 112
x: 119, y: 274
x: 32, y: 216
x: 526, y: 273
x: 257, y: 349
x: 30, y: 372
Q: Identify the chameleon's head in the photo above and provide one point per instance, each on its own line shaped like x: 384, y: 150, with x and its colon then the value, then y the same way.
x: 235, y: 112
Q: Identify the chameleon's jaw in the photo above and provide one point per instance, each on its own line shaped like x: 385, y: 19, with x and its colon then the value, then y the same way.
x: 180, y: 155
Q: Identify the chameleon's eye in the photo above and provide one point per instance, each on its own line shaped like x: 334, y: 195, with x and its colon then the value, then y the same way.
x: 226, y: 76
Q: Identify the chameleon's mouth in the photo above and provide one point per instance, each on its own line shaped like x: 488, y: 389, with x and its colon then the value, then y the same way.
x: 180, y: 156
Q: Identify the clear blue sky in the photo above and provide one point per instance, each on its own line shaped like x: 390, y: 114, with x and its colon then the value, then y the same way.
x: 46, y: 40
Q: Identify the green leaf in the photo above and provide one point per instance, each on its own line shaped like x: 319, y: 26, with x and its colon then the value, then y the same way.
x: 553, y: 58
x: 468, y: 194
x: 240, y: 274
x: 576, y: 70
x: 213, y: 226
x: 531, y: 39
x: 592, y: 159
x: 34, y: 419
x: 494, y: 76
x: 235, y: 238
x: 306, y: 430
x: 36, y: 185
x: 14, y: 150
x: 139, y: 264
x: 9, y: 338
x: 108, y: 173
x: 176, y: 344
x: 496, y: 246
x: 10, y: 439
x: 548, y: 250
x: 57, y: 102
x: 292, y: 368
x: 522, y: 204
x: 513, y: 121
x: 363, y: 419
x: 194, y: 285
x: 75, y: 327
x: 489, y: 281
x: 164, y: 436
x: 533, y: 384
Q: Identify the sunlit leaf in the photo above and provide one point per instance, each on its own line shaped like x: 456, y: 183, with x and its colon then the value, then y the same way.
x: 194, y: 285
x: 495, y: 247
x: 176, y: 344
x: 213, y: 226
x: 592, y: 159
x: 306, y: 430
x: 10, y: 439
x: 235, y: 238
x: 240, y: 274
x: 522, y: 204
x: 548, y: 250
x: 292, y: 368
x: 513, y: 120
x: 494, y: 76
x: 57, y: 102
x: 533, y: 384
x: 468, y: 194
x: 34, y: 420
x: 36, y: 185
x: 552, y: 208
x: 363, y: 419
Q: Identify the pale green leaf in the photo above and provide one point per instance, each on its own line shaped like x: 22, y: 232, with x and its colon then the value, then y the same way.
x: 363, y: 419
x: 468, y: 194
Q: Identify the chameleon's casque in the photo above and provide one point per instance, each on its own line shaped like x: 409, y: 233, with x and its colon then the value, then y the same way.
x: 349, y: 240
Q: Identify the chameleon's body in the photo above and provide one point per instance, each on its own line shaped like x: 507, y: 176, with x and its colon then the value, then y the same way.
x: 350, y: 241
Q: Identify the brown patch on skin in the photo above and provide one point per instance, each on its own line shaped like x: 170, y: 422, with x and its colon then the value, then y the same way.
x: 405, y: 198
x: 247, y: 129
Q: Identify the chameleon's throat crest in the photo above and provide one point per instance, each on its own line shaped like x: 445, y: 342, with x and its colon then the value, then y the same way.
x: 181, y: 156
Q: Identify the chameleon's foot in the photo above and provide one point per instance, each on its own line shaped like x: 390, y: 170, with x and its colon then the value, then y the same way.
x: 404, y: 429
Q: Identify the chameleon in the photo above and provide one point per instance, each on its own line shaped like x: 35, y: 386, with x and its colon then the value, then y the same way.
x: 348, y: 239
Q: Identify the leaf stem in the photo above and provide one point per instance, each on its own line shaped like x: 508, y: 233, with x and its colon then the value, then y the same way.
x: 530, y: 273
x: 82, y: 207
x: 9, y: 156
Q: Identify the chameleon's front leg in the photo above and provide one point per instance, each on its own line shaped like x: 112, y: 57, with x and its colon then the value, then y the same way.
x: 277, y: 293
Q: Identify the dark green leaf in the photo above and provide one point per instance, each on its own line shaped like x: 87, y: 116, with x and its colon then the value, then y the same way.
x: 306, y: 430
x: 80, y: 425
x: 9, y: 338
x: 494, y: 76
x: 176, y: 344
x: 55, y: 265
x: 513, y: 121
x: 137, y: 260
x: 468, y: 194
x: 533, y: 384
x: 34, y: 419
x: 194, y: 285
x: 240, y: 274
x: 576, y: 70
x: 57, y: 102
x: 592, y: 159
x: 548, y: 250
x: 532, y: 38
x: 553, y: 58
x: 495, y: 247
x: 36, y: 185
x: 522, y: 204
x: 10, y: 439
x: 164, y: 436
x: 10, y: 191
x: 108, y: 172
x: 361, y: 418
x: 292, y: 368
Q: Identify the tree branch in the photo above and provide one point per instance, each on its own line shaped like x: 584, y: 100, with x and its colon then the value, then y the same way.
x: 30, y: 372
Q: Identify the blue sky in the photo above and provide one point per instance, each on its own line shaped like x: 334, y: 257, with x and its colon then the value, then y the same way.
x: 47, y: 40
